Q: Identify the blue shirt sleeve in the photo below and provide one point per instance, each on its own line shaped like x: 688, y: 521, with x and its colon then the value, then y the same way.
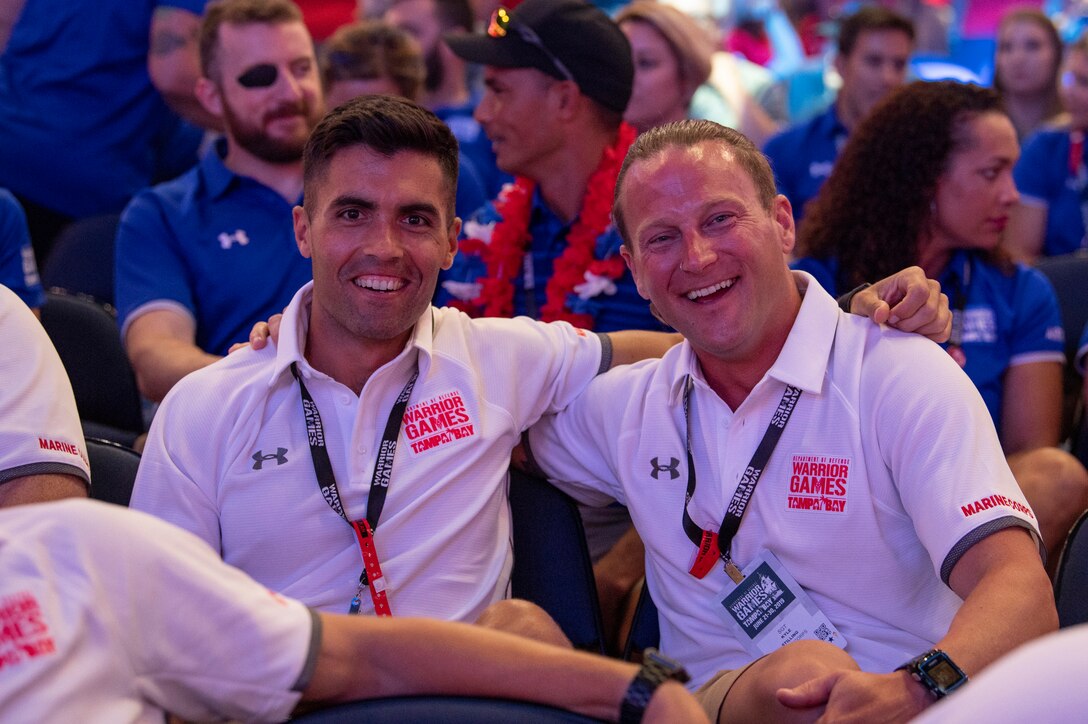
x: 150, y: 265
x: 18, y: 268
x: 1038, y: 320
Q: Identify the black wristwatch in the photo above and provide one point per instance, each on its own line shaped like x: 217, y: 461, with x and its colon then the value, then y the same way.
x: 847, y: 299
x: 936, y: 671
x: 656, y: 670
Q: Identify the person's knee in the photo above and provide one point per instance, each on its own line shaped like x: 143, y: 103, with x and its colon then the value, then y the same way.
x: 523, y: 618
x: 803, y: 660
x: 1052, y: 478
x: 754, y: 695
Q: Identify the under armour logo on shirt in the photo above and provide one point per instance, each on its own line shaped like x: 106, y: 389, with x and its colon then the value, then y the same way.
x: 657, y: 468
x: 239, y: 237
x: 259, y: 458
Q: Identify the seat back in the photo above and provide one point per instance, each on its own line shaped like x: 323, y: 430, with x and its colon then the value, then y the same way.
x: 81, y: 260
x: 89, y: 344
x: 113, y: 471
x: 1071, y: 581
x: 1069, y: 276
x: 442, y: 710
x: 645, y: 631
x: 552, y: 567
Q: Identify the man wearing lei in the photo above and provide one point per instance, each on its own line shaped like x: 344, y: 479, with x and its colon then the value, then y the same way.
x: 558, y: 76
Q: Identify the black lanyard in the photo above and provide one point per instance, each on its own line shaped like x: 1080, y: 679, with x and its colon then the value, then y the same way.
x: 962, y: 282
x: 714, y: 545
x: 379, y: 483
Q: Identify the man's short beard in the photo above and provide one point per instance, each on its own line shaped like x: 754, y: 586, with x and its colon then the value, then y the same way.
x: 254, y: 140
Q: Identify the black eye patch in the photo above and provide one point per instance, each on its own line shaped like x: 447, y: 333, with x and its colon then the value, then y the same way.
x: 259, y: 76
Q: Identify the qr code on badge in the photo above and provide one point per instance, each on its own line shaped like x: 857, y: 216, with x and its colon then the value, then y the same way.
x: 823, y: 632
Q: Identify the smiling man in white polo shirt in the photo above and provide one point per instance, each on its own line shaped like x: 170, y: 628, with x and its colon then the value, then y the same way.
x: 269, y: 454
x: 818, y: 494
x: 282, y: 459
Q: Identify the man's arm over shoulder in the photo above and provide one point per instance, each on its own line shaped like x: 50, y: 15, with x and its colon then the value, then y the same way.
x: 635, y: 345
x: 578, y: 448
x: 531, y: 368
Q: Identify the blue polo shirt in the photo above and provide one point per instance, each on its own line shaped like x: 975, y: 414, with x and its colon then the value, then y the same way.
x: 623, y: 310
x: 18, y: 269
x: 1008, y: 319
x: 475, y: 146
x: 1044, y: 178
x: 470, y: 189
x: 213, y: 244
x: 78, y: 113
x: 803, y: 155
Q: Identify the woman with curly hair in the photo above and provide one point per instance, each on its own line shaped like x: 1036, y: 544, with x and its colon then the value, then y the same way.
x: 927, y: 180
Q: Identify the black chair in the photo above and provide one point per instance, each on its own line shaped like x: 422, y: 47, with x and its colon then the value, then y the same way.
x: 552, y: 567
x: 442, y: 710
x: 645, y: 630
x: 1071, y: 581
x: 81, y: 260
x: 113, y: 471
x: 1069, y: 276
x: 89, y: 344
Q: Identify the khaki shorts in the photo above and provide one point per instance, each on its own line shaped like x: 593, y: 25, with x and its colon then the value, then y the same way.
x: 711, y: 695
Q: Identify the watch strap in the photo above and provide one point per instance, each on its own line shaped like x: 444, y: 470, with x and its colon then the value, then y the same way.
x: 941, y: 686
x: 847, y: 299
x: 656, y: 670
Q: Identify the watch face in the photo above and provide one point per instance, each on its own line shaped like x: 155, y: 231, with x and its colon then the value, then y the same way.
x: 943, y: 673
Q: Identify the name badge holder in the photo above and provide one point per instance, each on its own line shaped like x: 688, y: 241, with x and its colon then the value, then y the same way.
x: 371, y: 577
x: 763, y: 603
x: 768, y: 609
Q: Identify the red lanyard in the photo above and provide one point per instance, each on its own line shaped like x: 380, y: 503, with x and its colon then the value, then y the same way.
x: 1079, y: 174
x: 371, y: 576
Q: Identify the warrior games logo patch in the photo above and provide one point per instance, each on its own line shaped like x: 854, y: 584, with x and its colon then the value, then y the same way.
x: 437, y: 422
x: 818, y: 483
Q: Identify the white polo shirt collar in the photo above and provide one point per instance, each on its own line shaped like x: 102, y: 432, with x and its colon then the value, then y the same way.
x: 296, y: 319
x: 804, y: 357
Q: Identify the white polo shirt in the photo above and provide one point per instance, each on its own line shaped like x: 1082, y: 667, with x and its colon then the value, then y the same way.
x: 108, y: 615
x: 40, y: 432
x: 888, y: 470
x: 228, y: 458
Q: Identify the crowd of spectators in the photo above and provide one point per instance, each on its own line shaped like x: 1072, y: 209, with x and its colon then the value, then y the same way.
x: 602, y: 241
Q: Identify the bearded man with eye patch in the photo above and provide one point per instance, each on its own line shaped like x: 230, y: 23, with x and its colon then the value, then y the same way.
x: 201, y: 258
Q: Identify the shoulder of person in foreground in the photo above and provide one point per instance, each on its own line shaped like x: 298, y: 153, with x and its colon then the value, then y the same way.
x: 43, y: 455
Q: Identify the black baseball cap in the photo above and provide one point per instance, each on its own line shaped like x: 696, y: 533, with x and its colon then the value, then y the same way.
x: 567, y: 39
